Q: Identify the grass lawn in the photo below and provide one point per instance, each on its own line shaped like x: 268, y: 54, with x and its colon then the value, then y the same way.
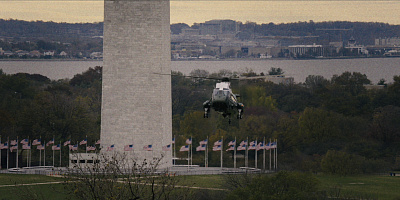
x: 363, y: 186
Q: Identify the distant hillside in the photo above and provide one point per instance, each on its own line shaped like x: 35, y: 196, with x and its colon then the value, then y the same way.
x: 363, y: 32
x: 49, y: 30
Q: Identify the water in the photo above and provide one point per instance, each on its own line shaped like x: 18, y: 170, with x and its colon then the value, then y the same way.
x: 374, y: 68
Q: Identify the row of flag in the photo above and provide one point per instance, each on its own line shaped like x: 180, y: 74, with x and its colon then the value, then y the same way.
x: 13, y: 145
x: 242, y: 145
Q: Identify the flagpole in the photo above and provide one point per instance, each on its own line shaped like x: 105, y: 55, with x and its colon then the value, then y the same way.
x: 222, y: 142
x: 44, y: 153
x: 255, y: 154
x: 246, y: 160
x: 60, y: 152
x: 174, y: 153
x: 234, y: 155
x: 264, y: 154
x: 276, y: 154
x: 86, y: 143
x: 8, y: 154
x: 0, y: 152
x: 30, y: 155
x: 17, y: 153
x: 27, y: 155
x: 191, y: 150
x: 270, y: 168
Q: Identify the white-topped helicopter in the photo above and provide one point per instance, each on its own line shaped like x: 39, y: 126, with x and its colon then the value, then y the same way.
x: 224, y: 101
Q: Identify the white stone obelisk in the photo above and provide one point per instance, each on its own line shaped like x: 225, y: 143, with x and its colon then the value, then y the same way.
x: 136, y: 99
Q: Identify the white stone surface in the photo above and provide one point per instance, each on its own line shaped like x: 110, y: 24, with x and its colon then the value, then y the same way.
x: 136, y: 102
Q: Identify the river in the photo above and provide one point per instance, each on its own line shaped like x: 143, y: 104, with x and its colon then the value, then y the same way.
x: 374, y: 68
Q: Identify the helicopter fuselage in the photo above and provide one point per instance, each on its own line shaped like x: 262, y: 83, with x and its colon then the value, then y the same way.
x: 223, y: 101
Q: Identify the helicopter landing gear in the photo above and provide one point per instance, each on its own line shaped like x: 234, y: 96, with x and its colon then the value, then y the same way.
x: 239, y: 116
x: 206, y: 112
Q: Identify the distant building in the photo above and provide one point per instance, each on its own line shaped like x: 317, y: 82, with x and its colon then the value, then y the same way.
x: 394, y: 41
x: 302, y: 50
x: 215, y: 27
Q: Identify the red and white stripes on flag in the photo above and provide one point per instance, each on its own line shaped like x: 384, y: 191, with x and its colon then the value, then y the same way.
x: 40, y: 147
x: 184, y: 148
x: 110, y: 148
x: 189, y: 141
x: 14, y: 142
x: 201, y: 147
x: 231, y: 148
x: 90, y: 148
x: 67, y: 142
x: 24, y: 141
x: 128, y: 147
x: 148, y: 147
x: 166, y: 148
x: 13, y: 148
x: 50, y: 142
x: 26, y: 146
x: 217, y: 148
x: 36, y: 142
x: 219, y: 142
x: 83, y: 142
x: 98, y: 142
x: 56, y: 147
x: 203, y: 142
x: 241, y: 147
x: 233, y: 142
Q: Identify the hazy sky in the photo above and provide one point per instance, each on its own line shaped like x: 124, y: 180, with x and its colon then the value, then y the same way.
x: 191, y: 11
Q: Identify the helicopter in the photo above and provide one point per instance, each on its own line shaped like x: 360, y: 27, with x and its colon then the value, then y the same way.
x: 224, y: 101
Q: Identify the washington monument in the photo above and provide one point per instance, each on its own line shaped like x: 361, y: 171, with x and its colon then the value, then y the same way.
x: 136, y: 102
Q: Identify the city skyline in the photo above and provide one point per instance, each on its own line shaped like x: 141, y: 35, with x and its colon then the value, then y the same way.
x: 190, y: 12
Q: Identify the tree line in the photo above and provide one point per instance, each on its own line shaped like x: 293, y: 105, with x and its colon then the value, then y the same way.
x: 332, y: 125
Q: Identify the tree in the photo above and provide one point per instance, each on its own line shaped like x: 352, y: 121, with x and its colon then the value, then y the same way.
x: 114, y: 176
x: 275, y: 71
x: 283, y: 185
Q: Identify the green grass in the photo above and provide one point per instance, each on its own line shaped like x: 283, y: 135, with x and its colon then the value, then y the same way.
x: 12, y: 179
x: 363, y: 186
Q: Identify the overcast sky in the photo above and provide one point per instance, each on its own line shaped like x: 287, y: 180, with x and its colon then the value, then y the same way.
x: 191, y: 11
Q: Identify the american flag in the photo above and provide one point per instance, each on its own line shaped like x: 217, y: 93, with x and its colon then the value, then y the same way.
x: 268, y: 146
x: 173, y: 140
x: 189, y: 141
x: 13, y: 148
x: 219, y: 142
x: 56, y: 147
x: 252, y: 147
x: 273, y: 145
x: 231, y: 148
x: 83, y: 142
x: 260, y: 146
x: 4, y: 146
x: 241, y: 147
x: 203, y: 142
x: 148, y: 147
x: 217, y: 148
x: 90, y: 148
x: 243, y: 143
x: 184, y: 148
x: 50, y: 142
x: 166, y: 148
x: 36, y: 142
x: 14, y: 142
x: 201, y: 147
x: 110, y: 148
x: 40, y: 147
x: 233, y: 142
x: 73, y: 147
x: 252, y: 143
x: 26, y: 146
x: 98, y: 142
x: 128, y: 147
x: 67, y: 142
x: 24, y: 141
